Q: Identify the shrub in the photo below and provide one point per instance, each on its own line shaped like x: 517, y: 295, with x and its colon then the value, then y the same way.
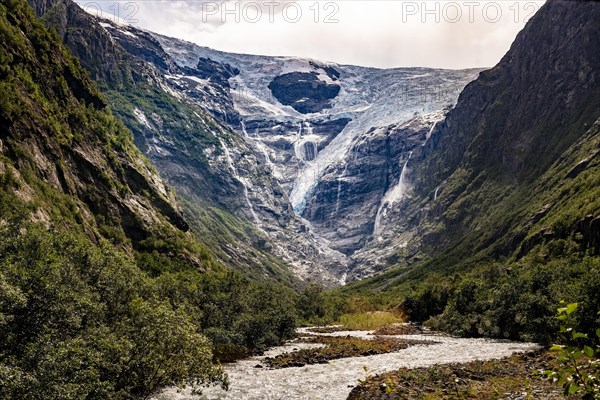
x: 579, y: 364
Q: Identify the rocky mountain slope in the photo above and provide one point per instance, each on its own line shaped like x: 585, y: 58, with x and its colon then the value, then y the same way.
x: 248, y: 140
x: 67, y: 162
x: 512, y: 173
x: 486, y: 158
x: 210, y: 165
x: 337, y: 145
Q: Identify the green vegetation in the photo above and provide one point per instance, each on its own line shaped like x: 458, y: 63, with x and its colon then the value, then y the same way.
x: 528, y: 248
x: 221, y: 230
x: 65, y: 157
x: 80, y: 321
x: 578, y: 357
x: 83, y: 321
x: 188, y: 131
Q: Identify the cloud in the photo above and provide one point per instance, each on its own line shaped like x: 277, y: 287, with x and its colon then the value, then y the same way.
x: 445, y: 34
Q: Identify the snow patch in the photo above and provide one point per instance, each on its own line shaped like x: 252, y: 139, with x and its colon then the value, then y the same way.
x: 141, y: 117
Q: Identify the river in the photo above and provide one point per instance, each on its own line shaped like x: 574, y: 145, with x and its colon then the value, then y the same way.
x: 335, y: 380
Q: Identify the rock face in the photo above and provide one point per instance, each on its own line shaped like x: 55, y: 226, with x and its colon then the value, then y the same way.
x: 341, y: 171
x: 181, y: 117
x: 515, y: 156
x: 304, y: 91
x: 355, y: 200
x: 551, y: 75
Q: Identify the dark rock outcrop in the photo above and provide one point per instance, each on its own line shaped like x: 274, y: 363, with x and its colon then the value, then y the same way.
x: 347, y: 200
x: 304, y: 91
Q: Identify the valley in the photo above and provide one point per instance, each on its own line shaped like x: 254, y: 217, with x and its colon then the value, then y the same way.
x: 175, y: 218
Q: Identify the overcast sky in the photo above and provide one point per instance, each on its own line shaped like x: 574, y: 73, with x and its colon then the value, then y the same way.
x: 394, y: 33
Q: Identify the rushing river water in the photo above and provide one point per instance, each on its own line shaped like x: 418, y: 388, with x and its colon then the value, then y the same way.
x: 335, y: 380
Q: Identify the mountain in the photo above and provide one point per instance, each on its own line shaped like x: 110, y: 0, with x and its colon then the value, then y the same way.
x: 332, y: 135
x: 256, y: 146
x: 68, y: 162
x: 105, y: 293
x: 506, y: 191
x: 208, y: 163
x: 338, y: 172
x: 487, y: 159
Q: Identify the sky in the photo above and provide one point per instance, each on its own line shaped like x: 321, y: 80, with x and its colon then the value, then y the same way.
x: 385, y: 34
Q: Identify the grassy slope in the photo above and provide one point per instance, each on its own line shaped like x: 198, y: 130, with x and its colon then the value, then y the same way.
x: 67, y: 161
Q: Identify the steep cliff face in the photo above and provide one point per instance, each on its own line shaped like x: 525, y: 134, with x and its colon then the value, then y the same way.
x: 97, y: 54
x: 517, y: 118
x: 357, y: 201
x: 65, y: 160
x: 304, y: 91
x: 515, y: 121
x: 514, y: 165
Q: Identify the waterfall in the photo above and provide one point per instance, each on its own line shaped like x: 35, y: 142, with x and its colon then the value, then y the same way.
x: 430, y: 132
x: 265, y: 153
x: 305, y: 148
x: 437, y: 190
x: 299, y: 151
x: 339, y: 189
x: 244, y: 128
x: 235, y: 174
x: 310, y: 150
x: 391, y: 196
x: 261, y: 147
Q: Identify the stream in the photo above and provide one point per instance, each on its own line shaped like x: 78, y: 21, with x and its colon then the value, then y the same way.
x: 335, y: 380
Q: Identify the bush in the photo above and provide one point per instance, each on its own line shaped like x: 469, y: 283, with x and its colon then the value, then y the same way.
x: 579, y: 358
x: 81, y: 322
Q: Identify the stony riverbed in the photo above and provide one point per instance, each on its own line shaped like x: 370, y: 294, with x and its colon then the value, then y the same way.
x: 251, y: 380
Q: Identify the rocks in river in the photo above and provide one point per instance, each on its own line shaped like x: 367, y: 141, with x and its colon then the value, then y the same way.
x: 339, y: 347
